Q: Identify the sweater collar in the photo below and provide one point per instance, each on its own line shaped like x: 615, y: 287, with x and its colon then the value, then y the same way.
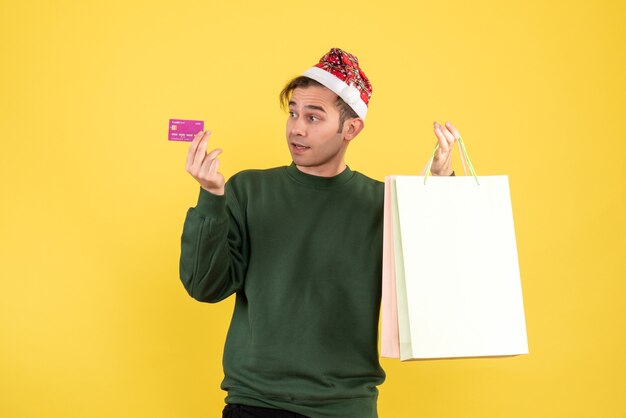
x: 319, y: 181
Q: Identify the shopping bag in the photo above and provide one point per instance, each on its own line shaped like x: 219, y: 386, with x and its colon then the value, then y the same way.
x: 451, y: 283
x: 390, y: 339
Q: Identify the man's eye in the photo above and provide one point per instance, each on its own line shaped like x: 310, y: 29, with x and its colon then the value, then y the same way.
x: 313, y: 118
x: 292, y: 114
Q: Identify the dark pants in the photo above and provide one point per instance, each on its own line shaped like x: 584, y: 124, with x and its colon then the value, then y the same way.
x: 244, y: 411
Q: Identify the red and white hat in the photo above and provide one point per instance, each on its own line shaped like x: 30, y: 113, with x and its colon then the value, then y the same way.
x: 339, y: 71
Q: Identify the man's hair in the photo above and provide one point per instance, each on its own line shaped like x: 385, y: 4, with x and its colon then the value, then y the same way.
x: 345, y: 111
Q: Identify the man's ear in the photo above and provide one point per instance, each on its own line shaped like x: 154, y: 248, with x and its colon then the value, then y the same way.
x: 352, y: 128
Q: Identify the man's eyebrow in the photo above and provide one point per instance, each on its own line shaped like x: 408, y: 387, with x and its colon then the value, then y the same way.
x: 313, y: 107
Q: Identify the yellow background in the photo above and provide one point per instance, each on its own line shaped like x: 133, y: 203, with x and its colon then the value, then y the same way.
x: 94, y: 321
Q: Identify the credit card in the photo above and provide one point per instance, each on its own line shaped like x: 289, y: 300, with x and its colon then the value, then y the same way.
x: 184, y: 129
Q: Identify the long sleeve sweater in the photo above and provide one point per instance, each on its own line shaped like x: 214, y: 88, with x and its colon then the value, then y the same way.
x: 302, y: 254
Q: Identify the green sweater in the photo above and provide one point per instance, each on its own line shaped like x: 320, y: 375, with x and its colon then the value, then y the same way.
x: 303, y: 254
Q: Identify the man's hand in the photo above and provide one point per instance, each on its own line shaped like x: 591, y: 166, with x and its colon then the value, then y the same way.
x: 202, y: 166
x: 442, y: 162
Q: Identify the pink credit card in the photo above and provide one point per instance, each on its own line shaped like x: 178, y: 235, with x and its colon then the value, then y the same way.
x: 184, y: 129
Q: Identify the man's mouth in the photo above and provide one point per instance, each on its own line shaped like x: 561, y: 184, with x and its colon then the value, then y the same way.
x: 299, y: 147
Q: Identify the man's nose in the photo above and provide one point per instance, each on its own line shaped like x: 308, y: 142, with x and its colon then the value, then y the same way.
x: 297, y: 126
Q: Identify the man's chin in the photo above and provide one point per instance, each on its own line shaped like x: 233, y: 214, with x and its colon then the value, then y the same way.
x: 300, y: 160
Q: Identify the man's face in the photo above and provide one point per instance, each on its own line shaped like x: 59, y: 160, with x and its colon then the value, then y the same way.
x: 312, y: 129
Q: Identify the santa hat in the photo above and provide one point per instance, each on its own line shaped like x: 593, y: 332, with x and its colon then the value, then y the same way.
x: 339, y: 71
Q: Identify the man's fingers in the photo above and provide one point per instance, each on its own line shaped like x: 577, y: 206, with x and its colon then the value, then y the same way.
x: 197, y: 138
x: 213, y: 154
x: 447, y: 134
x: 193, y: 147
x: 452, y: 129
x: 201, y: 151
x: 205, y: 168
x: 443, y: 143
x: 215, y: 164
x: 192, y: 150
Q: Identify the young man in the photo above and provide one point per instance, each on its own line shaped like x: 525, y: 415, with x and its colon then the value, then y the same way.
x: 301, y: 247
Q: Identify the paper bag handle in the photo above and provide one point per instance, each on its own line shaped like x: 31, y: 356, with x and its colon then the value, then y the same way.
x: 464, y: 156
